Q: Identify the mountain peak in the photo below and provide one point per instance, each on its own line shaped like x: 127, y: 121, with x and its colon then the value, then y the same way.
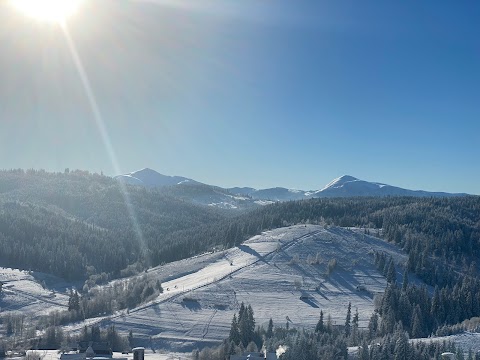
x: 345, y: 178
x: 151, y: 178
x: 144, y: 171
x: 340, y: 181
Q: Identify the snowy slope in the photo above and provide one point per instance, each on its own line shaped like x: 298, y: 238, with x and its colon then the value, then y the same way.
x: 188, y: 190
x: 271, y: 272
x: 210, y: 196
x: 150, y: 178
x: 33, y: 294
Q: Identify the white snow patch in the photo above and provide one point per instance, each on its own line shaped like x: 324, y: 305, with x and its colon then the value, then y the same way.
x: 264, y: 202
x: 223, y: 205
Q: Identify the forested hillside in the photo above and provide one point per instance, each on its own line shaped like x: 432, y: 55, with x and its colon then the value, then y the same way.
x: 76, y: 224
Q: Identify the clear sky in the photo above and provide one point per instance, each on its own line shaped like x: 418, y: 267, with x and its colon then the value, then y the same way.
x: 256, y: 93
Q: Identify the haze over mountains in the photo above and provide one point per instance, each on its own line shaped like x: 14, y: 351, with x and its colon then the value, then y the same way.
x: 344, y: 186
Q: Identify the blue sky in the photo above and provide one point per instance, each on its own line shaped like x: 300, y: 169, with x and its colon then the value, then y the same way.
x: 254, y: 93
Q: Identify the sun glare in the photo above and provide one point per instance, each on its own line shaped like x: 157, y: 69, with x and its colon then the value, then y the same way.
x: 56, y: 11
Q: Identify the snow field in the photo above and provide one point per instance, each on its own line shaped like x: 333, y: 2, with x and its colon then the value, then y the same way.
x: 271, y: 272
x: 23, y: 293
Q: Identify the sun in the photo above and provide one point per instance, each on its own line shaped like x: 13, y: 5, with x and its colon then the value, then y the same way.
x: 55, y: 11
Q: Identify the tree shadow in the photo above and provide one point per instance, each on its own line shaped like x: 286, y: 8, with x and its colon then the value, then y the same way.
x: 249, y: 250
x: 192, y: 305
x: 309, y: 301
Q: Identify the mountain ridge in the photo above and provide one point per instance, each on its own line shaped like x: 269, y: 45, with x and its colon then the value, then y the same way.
x: 151, y: 178
x: 343, y: 186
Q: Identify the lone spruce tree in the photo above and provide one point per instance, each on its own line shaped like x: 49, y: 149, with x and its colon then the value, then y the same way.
x: 347, y: 320
x: 320, y: 326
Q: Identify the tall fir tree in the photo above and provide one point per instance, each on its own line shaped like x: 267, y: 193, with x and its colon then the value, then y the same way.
x: 391, y: 272
x: 373, y: 325
x: 320, y: 326
x: 354, y: 337
x: 234, y: 331
x: 348, y: 320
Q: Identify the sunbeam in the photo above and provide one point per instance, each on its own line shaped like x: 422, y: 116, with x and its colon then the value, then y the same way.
x: 97, y: 115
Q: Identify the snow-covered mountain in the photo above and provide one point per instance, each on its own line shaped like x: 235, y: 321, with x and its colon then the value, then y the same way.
x: 344, y: 186
x: 247, y: 197
x: 188, y: 190
x: 150, y: 178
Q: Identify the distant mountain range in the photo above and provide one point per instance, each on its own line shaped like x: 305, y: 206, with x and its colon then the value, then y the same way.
x: 246, y: 197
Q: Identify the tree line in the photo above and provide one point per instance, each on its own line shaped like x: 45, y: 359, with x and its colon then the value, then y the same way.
x: 326, y: 342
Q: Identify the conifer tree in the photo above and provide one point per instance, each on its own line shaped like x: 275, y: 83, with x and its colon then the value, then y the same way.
x: 391, y: 272
x: 417, y: 329
x: 250, y: 324
x: 320, y: 326
x: 354, y: 339
x: 348, y: 319
x: 402, y: 348
x: 269, y: 332
x: 73, y: 301
x: 373, y: 325
x: 364, y: 354
x: 234, y: 331
x: 405, y: 280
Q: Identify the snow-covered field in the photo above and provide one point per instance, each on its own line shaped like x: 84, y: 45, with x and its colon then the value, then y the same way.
x: 31, y: 293
x: 272, y: 272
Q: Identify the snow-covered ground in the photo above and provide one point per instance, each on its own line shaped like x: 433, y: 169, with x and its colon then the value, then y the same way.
x: 271, y: 272
x: 31, y: 293
x: 466, y: 341
x: 282, y: 273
